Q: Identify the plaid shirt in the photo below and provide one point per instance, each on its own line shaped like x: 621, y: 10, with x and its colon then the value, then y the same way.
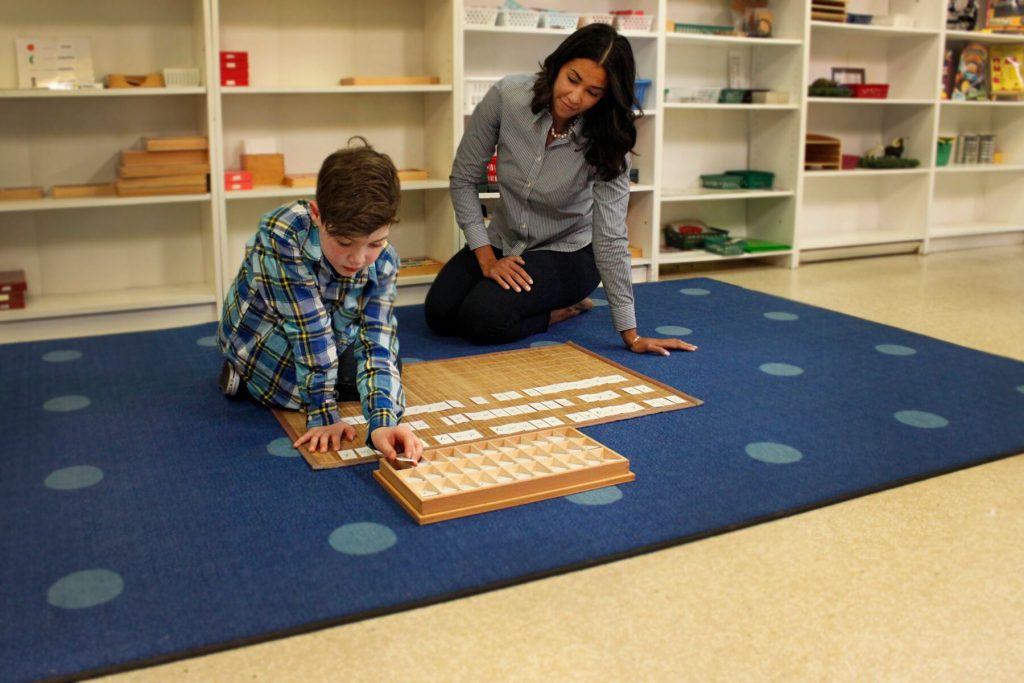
x: 289, y: 315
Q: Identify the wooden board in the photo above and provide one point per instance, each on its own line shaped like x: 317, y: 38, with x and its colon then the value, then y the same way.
x: 391, y: 80
x: 458, y: 481
x: 545, y: 387
x: 11, y: 193
x: 133, y: 157
x: 412, y: 174
x: 161, y: 170
x: 87, y: 190
x: 300, y: 179
x: 417, y: 266
x: 176, y: 144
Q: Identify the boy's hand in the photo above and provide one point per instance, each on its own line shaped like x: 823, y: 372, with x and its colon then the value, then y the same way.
x: 392, y: 440
x: 320, y: 438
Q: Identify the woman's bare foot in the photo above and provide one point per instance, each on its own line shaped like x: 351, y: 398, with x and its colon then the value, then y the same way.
x: 560, y: 314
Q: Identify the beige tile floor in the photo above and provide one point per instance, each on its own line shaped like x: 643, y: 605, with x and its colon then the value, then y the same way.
x: 920, y: 583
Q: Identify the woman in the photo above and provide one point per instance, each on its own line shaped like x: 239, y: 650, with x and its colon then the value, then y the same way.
x: 563, y: 138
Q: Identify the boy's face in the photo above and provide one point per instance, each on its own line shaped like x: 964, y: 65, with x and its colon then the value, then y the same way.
x: 349, y: 255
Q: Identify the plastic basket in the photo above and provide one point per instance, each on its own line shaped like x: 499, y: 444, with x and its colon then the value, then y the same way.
x: 754, y: 180
x: 721, y: 181
x: 725, y: 247
x: 640, y: 87
x: 560, y: 20
x: 479, y: 16
x: 633, y: 22
x: 596, y: 19
x: 473, y: 92
x: 176, y: 78
x: 873, y: 91
x: 520, y: 18
x: 691, y: 234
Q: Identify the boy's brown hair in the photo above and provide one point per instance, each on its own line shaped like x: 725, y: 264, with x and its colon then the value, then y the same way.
x: 357, y: 190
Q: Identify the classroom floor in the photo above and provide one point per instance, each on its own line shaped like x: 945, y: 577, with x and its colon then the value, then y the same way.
x: 920, y: 583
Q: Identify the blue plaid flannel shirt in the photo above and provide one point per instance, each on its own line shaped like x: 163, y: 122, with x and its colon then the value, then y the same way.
x: 289, y: 315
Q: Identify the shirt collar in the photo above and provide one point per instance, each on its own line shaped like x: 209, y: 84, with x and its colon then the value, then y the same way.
x: 314, y: 252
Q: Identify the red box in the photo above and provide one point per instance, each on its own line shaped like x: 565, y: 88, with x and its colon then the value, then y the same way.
x: 12, y: 299
x: 234, y: 68
x: 871, y: 91
x: 238, y: 186
x: 237, y: 176
x: 849, y: 162
x: 12, y: 281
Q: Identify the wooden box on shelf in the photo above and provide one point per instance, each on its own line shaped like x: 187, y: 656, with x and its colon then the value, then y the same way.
x: 822, y: 153
x: 12, y: 193
x: 266, y: 169
x: 154, y: 80
x: 86, y: 190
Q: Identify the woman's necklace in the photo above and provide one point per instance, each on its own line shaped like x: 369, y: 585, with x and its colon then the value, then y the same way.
x: 568, y: 129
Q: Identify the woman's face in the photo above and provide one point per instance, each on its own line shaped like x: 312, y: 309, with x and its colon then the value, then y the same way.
x: 580, y: 85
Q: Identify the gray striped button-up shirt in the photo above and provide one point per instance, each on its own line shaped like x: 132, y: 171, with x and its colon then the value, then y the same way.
x: 551, y: 198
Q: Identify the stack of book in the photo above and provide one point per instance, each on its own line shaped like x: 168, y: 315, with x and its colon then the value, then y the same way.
x: 829, y: 10
x: 174, y: 165
x: 12, y: 289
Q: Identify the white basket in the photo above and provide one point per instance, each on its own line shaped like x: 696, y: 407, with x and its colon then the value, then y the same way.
x: 522, y: 18
x: 473, y: 92
x: 179, y: 78
x: 633, y: 22
x: 596, y: 19
x: 479, y: 16
x: 560, y: 20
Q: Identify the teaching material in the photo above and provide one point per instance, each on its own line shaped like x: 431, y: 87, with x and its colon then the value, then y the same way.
x: 176, y: 144
x: 391, y: 80
x: 12, y: 193
x: 57, y: 64
x: 83, y: 190
x: 266, y: 169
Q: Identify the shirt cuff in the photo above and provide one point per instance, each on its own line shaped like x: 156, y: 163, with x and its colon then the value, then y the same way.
x: 326, y: 414
x: 380, y: 418
x: 623, y: 318
x: 476, y: 236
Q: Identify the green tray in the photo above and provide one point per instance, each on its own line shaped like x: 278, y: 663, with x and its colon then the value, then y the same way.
x: 721, y: 181
x: 755, y: 180
x: 764, y: 245
x: 725, y: 247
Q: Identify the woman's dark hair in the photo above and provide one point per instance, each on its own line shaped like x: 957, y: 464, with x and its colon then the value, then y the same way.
x: 607, y: 126
x: 357, y: 190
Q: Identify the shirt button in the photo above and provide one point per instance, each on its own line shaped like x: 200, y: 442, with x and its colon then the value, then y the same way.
x: 538, y: 158
x: 524, y: 226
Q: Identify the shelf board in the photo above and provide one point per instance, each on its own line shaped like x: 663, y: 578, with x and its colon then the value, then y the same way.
x: 719, y: 106
x: 980, y: 103
x: 529, y: 30
x: 884, y: 31
x: 981, y: 168
x: 39, y: 307
x: 286, y: 191
x: 39, y: 93
x: 866, y: 172
x: 711, y: 39
x: 701, y: 256
x: 49, y: 203
x: 335, y: 89
x: 856, y: 238
x: 632, y: 188
x: 413, y: 280
x: 974, y: 229
x: 845, y: 101
x: 980, y: 37
x: 703, y: 194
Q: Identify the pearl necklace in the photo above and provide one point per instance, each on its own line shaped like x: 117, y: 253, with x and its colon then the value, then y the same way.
x: 568, y: 129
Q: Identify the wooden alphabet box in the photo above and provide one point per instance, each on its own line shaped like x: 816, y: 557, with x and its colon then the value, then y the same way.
x: 473, y: 399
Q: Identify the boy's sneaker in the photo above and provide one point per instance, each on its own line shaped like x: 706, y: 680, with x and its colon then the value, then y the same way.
x: 229, y: 380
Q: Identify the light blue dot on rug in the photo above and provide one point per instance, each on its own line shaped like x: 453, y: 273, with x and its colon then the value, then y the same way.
x: 599, y: 302
x: 410, y: 361
x: 895, y: 350
x: 538, y: 344
x: 66, y: 404
x: 921, y: 419
x: 362, y: 538
x: 602, y: 496
x: 1020, y: 389
x: 71, y: 478
x: 773, y: 453
x: 87, y: 588
x: 781, y: 369
x: 63, y: 356
x: 694, y: 291
x: 673, y: 330
x: 207, y: 341
x: 282, y: 448
x: 781, y: 315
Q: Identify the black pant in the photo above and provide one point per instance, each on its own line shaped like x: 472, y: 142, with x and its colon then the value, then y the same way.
x: 346, y: 387
x: 465, y: 303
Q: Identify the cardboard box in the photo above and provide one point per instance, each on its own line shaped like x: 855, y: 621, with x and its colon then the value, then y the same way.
x: 266, y: 169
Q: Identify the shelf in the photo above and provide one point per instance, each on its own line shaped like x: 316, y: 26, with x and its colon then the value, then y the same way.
x: 49, y: 203
x: 979, y: 37
x: 711, y: 39
x: 41, y: 93
x: 335, y: 89
x: 532, y: 31
x: 703, y: 194
x: 632, y: 188
x: 981, y: 168
x: 731, y: 107
x: 866, y: 172
x: 867, y: 29
x: 285, y: 191
x: 974, y: 229
x: 859, y: 238
x: 869, y: 101
x: 39, y: 307
x: 701, y: 256
x: 982, y: 103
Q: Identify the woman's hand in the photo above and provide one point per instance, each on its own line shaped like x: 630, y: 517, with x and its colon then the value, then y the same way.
x: 391, y: 441
x: 637, y: 344
x: 319, y: 438
x: 509, y: 273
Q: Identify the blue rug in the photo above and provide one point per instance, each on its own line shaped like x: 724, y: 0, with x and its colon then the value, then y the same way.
x: 146, y: 518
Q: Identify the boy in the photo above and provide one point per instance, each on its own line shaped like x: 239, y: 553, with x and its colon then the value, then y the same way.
x: 309, y: 319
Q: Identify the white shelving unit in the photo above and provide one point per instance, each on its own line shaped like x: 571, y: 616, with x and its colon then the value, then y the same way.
x: 110, y: 264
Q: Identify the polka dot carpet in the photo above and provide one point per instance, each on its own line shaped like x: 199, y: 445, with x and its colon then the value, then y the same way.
x: 146, y: 516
